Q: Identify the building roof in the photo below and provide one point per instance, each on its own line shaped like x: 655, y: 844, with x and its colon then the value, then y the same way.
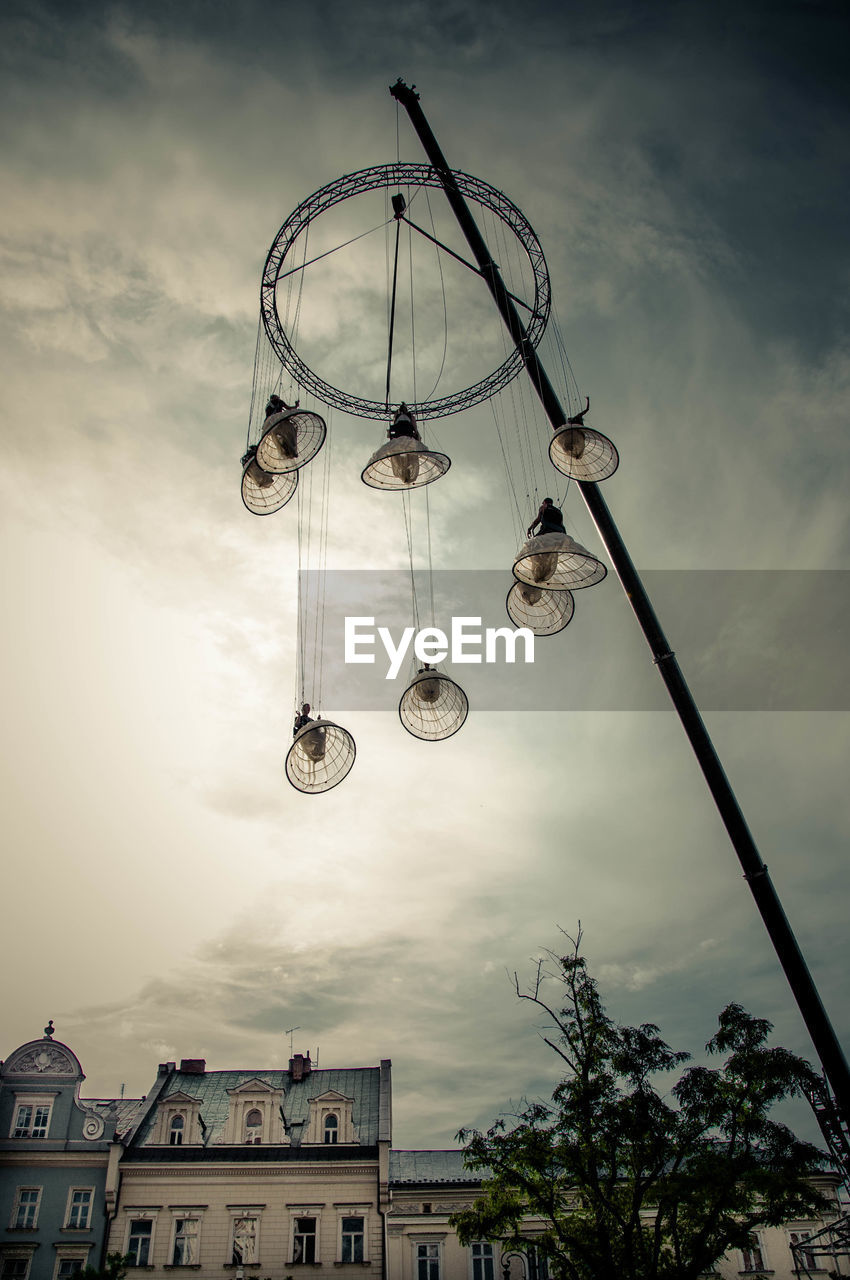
x: 126, y: 1111
x: 409, y: 1168
x: 211, y: 1089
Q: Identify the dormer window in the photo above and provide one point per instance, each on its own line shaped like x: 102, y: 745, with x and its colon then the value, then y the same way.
x: 178, y: 1122
x: 255, y: 1115
x: 330, y: 1120
x: 254, y: 1127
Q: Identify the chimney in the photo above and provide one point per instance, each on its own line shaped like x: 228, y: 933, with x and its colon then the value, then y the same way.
x: 165, y: 1068
x: 193, y: 1066
x: 299, y: 1066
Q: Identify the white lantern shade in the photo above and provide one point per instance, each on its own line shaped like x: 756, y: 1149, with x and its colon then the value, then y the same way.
x: 583, y: 454
x: 262, y: 492
x: 558, y: 562
x: 321, y: 755
x: 433, y: 706
x: 542, y: 611
x: 290, y: 439
x: 404, y: 463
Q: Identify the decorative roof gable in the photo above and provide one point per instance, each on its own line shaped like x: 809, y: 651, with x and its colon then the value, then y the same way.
x: 254, y: 1085
x: 178, y: 1121
x: 254, y: 1116
x: 330, y: 1120
x: 40, y: 1059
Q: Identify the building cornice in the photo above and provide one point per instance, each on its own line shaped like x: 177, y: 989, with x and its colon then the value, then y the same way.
x: 137, y: 1172
x: 247, y: 1156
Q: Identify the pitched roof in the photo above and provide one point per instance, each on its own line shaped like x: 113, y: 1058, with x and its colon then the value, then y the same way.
x: 211, y: 1090
x: 125, y: 1110
x: 409, y: 1168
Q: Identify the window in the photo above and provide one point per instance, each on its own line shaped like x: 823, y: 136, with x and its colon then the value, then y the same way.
x: 31, y: 1120
x: 805, y: 1258
x: 68, y: 1267
x: 15, y: 1268
x: 752, y: 1257
x: 482, y: 1261
x: 139, y: 1242
x: 427, y: 1262
x: 331, y: 1128
x: 175, y: 1132
x: 538, y: 1264
x: 79, y: 1208
x: 244, y: 1246
x: 185, y: 1251
x: 304, y: 1240
x: 25, y: 1214
x: 352, y: 1240
x: 254, y: 1127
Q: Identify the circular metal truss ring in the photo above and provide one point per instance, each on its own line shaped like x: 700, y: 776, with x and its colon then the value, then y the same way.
x: 381, y: 177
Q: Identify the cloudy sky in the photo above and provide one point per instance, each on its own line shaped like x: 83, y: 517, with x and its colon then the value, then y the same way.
x: 168, y: 894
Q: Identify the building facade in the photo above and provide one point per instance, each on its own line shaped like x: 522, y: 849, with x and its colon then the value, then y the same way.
x: 258, y: 1172
x: 277, y: 1174
x: 56, y: 1151
x: 426, y: 1187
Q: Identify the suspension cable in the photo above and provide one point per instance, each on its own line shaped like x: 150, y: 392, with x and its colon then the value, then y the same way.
x: 457, y: 256
x: 392, y: 314
x: 431, y: 393
x: 284, y: 275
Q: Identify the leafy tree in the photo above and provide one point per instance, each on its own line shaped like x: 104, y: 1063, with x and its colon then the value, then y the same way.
x: 115, y: 1268
x: 622, y: 1183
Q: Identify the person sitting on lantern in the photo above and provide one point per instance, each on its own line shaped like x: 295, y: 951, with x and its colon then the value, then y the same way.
x: 303, y: 717
x: 578, y: 419
x: 550, y: 519
x: 276, y: 405
x: 403, y: 424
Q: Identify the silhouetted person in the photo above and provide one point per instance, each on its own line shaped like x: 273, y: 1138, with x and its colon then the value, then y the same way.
x: 578, y: 420
x: 550, y: 519
x: 303, y: 717
x: 403, y: 424
x: 276, y: 405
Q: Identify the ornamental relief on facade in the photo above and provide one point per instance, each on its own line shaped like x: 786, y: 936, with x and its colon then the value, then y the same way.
x: 40, y: 1060
x: 93, y: 1127
x: 401, y: 1210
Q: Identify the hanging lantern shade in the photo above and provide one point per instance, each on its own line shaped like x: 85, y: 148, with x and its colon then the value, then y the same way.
x: 433, y: 707
x: 543, y: 611
x: 321, y: 755
x: 558, y: 562
x: 263, y: 493
x: 582, y: 453
x: 404, y: 463
x: 290, y: 439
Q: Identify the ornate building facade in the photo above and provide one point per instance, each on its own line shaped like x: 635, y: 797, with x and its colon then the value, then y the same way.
x: 428, y: 1186
x: 274, y: 1174
x: 258, y: 1172
x: 57, y: 1152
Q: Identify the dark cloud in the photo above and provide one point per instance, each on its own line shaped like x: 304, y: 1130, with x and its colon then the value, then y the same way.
x: 685, y: 167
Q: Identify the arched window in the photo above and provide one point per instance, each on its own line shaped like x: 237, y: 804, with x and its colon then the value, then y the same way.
x: 175, y: 1133
x: 254, y: 1127
x: 331, y: 1128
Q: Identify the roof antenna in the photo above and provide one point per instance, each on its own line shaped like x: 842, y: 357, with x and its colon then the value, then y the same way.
x: 291, y: 1033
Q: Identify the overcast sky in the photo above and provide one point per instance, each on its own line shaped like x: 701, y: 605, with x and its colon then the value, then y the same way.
x: 168, y: 894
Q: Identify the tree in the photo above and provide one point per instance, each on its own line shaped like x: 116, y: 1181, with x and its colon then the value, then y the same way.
x: 622, y: 1183
x: 115, y: 1268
